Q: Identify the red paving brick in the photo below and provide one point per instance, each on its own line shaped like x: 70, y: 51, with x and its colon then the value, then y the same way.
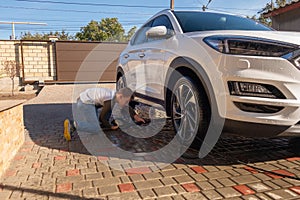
x: 19, y: 157
x: 273, y: 176
x: 293, y: 159
x: 284, y: 172
x: 65, y: 187
x: 243, y: 189
x: 190, y: 187
x: 36, y: 165
x: 73, y: 172
x: 25, y: 150
x: 250, y: 169
x: 102, y: 158
x: 296, y: 189
x: 60, y: 158
x: 199, y: 169
x: 9, y: 173
x: 126, y: 187
x: 138, y: 170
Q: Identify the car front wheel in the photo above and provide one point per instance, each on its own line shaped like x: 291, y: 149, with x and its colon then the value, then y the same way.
x: 188, y: 112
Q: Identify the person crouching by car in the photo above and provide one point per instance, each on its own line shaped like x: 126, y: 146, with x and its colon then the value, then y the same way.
x: 89, y: 101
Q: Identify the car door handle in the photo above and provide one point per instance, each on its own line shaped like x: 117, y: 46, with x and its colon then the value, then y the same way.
x: 126, y: 56
x: 141, y: 55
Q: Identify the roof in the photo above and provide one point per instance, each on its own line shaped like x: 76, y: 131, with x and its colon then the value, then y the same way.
x: 294, y: 4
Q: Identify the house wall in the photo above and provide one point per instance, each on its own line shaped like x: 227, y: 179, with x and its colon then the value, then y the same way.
x: 289, y: 21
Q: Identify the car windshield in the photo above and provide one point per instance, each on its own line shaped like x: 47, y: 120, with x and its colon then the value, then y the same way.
x: 205, y: 21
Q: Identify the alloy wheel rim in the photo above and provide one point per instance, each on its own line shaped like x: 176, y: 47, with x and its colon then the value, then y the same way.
x: 185, y: 112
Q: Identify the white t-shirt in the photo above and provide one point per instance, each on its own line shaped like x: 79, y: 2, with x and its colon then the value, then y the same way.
x: 97, y: 96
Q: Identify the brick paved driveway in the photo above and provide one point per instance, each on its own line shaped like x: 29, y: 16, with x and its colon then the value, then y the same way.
x: 47, y: 167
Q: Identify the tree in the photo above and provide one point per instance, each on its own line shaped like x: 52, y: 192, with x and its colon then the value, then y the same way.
x: 269, y: 7
x: 108, y: 29
x: 11, y: 69
x: 63, y: 35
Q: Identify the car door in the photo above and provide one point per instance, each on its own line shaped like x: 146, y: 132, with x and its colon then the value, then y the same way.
x: 135, y: 61
x: 154, y: 65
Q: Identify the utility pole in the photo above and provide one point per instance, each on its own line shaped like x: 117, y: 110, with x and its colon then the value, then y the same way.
x: 172, y: 5
x: 204, y: 7
x: 13, y: 36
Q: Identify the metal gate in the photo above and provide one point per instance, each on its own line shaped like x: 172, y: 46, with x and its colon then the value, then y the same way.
x: 87, y: 61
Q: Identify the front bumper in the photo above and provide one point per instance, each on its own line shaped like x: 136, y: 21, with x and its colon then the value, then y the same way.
x: 277, y: 72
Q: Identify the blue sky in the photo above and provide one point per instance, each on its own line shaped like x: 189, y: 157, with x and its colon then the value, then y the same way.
x: 70, y: 17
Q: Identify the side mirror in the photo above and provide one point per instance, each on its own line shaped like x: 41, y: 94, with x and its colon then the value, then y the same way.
x: 157, y: 32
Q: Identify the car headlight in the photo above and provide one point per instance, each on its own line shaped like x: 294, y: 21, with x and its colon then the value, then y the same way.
x: 250, y: 46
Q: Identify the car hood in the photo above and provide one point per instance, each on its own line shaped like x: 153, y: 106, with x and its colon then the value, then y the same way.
x: 289, y: 37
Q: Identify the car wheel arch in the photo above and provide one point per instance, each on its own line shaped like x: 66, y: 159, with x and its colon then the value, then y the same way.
x: 187, y: 67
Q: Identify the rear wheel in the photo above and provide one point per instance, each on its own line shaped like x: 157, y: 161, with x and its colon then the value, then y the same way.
x: 121, y: 82
x: 189, y: 111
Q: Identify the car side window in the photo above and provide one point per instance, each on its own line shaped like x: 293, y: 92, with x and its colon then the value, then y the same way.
x: 163, y: 20
x: 140, y: 36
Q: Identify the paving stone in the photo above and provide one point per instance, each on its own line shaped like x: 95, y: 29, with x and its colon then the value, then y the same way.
x: 198, y: 177
x: 245, y: 179
x: 63, y: 187
x: 90, y: 192
x: 178, y: 197
x: 184, y: 179
x: 217, y: 175
x: 228, y: 192
x: 65, y: 179
x: 226, y: 182
x: 168, y: 181
x: 126, y: 187
x: 106, y: 182
x: 262, y: 176
x: 272, y: 185
x: 282, y: 194
x: 216, y: 184
x: 232, y: 172
x: 107, y: 190
x: 212, y: 194
x: 82, y: 185
x: 179, y: 189
x: 146, y: 194
x: 164, y: 191
x: 281, y: 183
x: 173, y: 173
x: 259, y: 187
x: 94, y: 176
x: 296, y: 189
x: 242, y: 171
x: 250, y: 197
x: 194, y: 195
x: 153, y: 175
x: 205, y: 185
x: 136, y: 177
x: 243, y: 189
x: 147, y: 184
x: 5, y: 194
x: 127, y: 196
x: 190, y: 187
x: 263, y: 196
x: 164, y: 198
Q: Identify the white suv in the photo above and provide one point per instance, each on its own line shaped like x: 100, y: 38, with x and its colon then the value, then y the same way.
x: 214, y: 70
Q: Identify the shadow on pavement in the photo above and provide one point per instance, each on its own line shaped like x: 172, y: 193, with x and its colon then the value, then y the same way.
x: 44, y: 124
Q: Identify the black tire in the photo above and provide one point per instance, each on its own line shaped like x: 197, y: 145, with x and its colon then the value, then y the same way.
x: 190, y: 103
x: 294, y: 144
